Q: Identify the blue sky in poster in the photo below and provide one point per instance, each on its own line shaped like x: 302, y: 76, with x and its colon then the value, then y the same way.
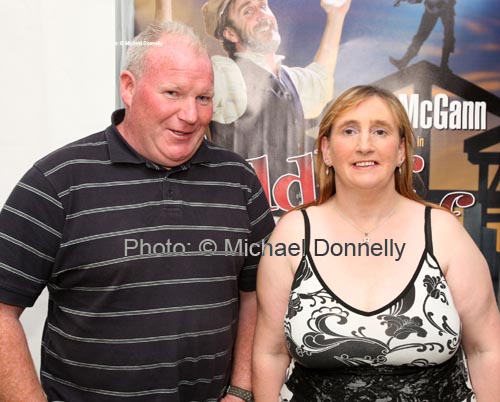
x: 375, y: 30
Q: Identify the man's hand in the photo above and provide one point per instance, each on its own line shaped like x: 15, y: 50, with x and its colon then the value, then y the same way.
x: 330, y: 7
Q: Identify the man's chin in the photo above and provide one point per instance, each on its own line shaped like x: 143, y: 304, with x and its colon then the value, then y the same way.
x: 265, y: 47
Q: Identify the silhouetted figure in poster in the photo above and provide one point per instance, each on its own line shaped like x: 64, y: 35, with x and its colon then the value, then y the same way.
x: 434, y: 10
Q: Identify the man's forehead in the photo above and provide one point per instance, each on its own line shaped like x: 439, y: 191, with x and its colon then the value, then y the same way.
x: 176, y: 48
x: 178, y: 61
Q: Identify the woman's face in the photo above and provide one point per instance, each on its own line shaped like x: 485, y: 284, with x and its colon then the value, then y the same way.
x: 364, y: 147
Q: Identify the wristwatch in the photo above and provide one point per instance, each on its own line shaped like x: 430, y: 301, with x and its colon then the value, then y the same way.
x: 247, y: 396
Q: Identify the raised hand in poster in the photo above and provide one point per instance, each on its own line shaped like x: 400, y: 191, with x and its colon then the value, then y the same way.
x: 262, y: 106
x: 434, y: 10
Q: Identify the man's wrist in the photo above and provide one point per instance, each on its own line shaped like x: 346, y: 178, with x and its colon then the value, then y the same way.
x: 241, y: 393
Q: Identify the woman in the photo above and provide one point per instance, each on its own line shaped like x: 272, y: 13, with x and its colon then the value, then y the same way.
x: 387, y: 293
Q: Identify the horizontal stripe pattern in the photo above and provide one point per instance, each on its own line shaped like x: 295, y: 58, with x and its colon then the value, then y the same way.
x: 129, y: 316
x: 20, y: 273
x: 26, y: 247
x: 150, y: 311
x: 32, y: 220
x: 40, y: 193
x: 145, y: 284
x: 189, y: 359
x: 129, y: 394
x: 153, y: 204
x: 76, y: 161
x: 150, y: 339
x: 154, y: 229
x: 97, y: 185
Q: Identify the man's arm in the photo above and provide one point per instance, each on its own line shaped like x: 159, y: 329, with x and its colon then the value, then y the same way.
x: 242, y: 357
x: 329, y: 46
x: 163, y: 11
x: 19, y: 382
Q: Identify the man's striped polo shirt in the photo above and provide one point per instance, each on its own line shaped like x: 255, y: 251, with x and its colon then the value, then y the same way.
x: 143, y: 267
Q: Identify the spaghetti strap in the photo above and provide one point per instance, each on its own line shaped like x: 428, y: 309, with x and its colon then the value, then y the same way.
x: 307, y: 229
x: 428, y: 230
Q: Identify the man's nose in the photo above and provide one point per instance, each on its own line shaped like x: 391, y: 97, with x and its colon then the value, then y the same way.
x: 188, y: 111
x: 262, y: 14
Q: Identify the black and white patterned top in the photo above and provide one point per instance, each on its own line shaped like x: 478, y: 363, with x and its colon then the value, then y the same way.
x: 407, y: 350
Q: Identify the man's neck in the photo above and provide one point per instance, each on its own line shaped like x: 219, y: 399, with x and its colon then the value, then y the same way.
x: 273, y: 62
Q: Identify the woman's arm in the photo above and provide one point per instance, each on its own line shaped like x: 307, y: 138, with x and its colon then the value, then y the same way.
x: 469, y: 279
x: 274, y: 281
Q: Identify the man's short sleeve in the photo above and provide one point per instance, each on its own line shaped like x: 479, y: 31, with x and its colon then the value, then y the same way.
x: 315, y: 87
x: 261, y: 225
x: 230, y: 99
x: 31, y: 223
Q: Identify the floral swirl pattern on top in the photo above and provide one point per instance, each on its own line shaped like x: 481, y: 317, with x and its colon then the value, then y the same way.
x: 407, y: 350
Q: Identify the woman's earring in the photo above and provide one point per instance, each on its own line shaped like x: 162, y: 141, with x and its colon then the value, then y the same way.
x: 327, y: 170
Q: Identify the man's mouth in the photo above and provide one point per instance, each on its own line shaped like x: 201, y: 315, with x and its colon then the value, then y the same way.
x: 179, y: 132
x: 264, y: 27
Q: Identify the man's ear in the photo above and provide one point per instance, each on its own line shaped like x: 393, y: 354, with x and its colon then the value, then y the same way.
x: 230, y: 35
x: 127, y: 87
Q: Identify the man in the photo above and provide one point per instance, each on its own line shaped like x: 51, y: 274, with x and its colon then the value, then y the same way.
x: 260, y: 105
x: 135, y: 232
x: 434, y: 10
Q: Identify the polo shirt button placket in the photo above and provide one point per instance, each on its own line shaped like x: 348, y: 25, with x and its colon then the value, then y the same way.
x: 167, y: 189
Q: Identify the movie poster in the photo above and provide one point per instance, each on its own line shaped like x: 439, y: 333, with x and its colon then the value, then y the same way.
x: 442, y: 58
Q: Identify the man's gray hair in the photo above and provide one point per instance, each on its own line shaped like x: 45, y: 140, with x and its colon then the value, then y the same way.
x: 150, y: 36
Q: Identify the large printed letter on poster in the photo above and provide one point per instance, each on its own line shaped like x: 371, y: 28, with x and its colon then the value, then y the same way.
x: 279, y: 63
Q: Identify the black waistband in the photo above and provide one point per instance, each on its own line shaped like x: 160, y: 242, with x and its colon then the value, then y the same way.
x: 444, y: 382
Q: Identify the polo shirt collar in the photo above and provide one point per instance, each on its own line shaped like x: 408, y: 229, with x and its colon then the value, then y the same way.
x: 121, y: 152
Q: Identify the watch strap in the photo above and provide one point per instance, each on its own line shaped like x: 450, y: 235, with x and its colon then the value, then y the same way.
x: 247, y: 396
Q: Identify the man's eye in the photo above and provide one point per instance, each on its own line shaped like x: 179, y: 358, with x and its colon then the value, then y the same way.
x: 204, y: 100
